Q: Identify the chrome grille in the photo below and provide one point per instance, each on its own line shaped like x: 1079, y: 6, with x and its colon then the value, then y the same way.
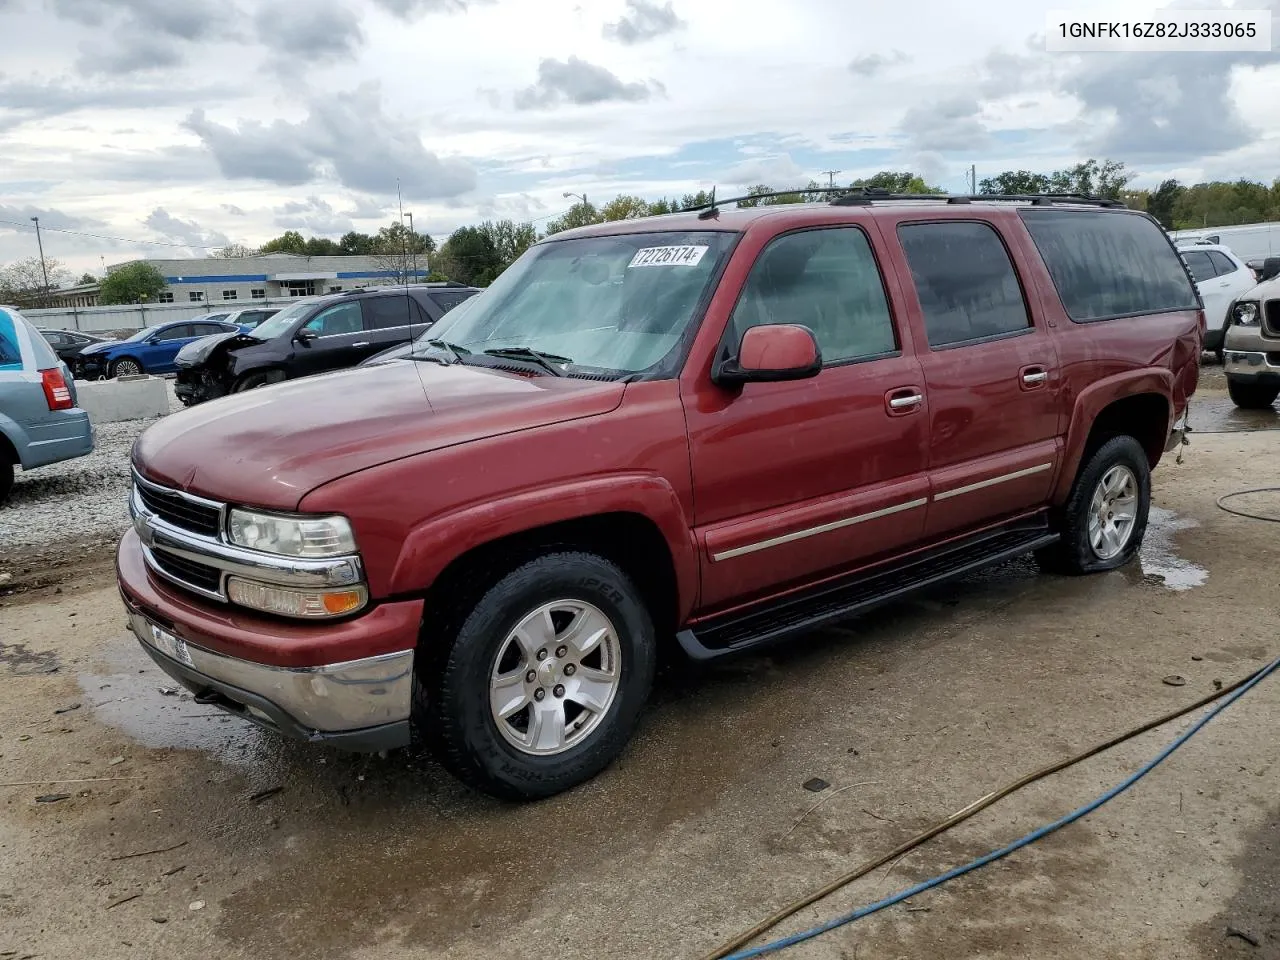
x: 1271, y: 318
x: 188, y: 572
x: 181, y: 510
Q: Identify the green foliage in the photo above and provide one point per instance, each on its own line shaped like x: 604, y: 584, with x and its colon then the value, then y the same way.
x: 1090, y: 178
x: 355, y: 244
x: 86, y: 279
x: 1220, y: 204
x: 435, y: 276
x: 235, y: 251
x: 136, y: 282
x: 478, y: 255
x: 579, y: 215
x: 897, y: 181
x: 288, y: 242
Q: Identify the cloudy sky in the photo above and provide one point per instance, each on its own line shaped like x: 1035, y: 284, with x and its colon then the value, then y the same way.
x: 199, y: 122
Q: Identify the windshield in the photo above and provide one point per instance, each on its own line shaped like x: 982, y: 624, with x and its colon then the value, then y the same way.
x: 145, y: 331
x: 282, y: 321
x: 616, y: 303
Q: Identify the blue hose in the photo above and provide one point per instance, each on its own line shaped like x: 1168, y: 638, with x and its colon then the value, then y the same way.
x: 1030, y: 838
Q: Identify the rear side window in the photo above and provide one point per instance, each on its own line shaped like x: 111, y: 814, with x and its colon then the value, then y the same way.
x: 179, y: 332
x: 1222, y: 263
x: 1199, y: 264
x: 965, y: 280
x: 10, y: 355
x: 447, y: 301
x: 1108, y: 265
x: 384, y: 312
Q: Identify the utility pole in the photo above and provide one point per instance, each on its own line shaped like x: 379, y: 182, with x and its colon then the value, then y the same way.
x: 43, y: 268
x: 831, y: 176
x: 413, y: 245
x: 973, y: 178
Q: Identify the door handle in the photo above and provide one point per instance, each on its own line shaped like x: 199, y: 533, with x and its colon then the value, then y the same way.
x: 1035, y: 376
x: 905, y: 402
x: 362, y: 343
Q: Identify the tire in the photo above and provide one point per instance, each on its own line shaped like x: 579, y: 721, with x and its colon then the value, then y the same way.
x: 1078, y: 551
x: 455, y: 692
x: 251, y: 381
x: 6, y: 481
x: 125, y: 367
x: 1252, y: 396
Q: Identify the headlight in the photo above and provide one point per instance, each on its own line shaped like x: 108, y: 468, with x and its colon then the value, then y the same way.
x: 291, y: 536
x: 1245, y: 314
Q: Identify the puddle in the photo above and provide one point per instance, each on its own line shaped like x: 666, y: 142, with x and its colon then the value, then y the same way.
x: 1160, y: 563
x: 128, y: 695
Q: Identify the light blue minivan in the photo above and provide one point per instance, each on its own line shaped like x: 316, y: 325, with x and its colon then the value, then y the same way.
x: 39, y: 420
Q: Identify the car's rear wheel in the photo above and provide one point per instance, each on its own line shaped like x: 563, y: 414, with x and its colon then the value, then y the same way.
x: 1252, y: 396
x: 543, y: 680
x: 6, y: 480
x: 125, y: 367
x: 1105, y: 518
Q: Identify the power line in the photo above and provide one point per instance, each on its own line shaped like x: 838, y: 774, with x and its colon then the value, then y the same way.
x: 98, y: 236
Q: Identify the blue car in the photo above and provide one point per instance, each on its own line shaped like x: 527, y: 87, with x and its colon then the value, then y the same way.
x: 148, y: 351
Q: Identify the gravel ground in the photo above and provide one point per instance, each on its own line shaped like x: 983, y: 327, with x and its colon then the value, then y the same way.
x: 96, y: 487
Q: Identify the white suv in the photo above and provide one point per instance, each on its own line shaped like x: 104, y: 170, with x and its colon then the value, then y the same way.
x: 1220, y: 277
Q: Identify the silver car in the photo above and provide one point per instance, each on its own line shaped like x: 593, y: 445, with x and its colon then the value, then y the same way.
x: 39, y: 420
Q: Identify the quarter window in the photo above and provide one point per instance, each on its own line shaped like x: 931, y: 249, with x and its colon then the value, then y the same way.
x: 384, y: 312
x: 1108, y: 264
x: 1222, y: 264
x: 826, y: 280
x: 1199, y: 264
x: 965, y: 281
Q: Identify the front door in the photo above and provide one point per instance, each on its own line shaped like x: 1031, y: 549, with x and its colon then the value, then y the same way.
x: 991, y: 373
x: 340, y: 338
x: 795, y: 480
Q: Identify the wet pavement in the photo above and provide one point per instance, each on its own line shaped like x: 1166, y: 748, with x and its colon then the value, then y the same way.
x: 704, y: 826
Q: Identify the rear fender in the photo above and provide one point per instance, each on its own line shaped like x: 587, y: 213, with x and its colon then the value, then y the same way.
x: 12, y: 432
x: 1093, y: 400
x: 433, y: 545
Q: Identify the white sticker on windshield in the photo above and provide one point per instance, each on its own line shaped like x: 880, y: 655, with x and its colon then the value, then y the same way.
x: 684, y: 256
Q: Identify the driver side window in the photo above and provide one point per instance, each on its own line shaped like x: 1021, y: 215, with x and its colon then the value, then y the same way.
x: 337, y: 320
x: 826, y: 280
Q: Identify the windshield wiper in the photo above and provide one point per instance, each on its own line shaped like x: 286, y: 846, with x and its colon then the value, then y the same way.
x: 455, y: 351
x: 547, y: 361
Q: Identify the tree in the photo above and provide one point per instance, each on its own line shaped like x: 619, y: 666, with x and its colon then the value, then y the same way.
x: 288, y: 242
x: 897, y: 181
x: 235, y: 251
x: 355, y: 244
x: 399, y: 251
x: 22, y: 283
x: 135, y: 282
x: 87, y: 278
x: 624, y: 207
x: 579, y: 215
x: 1090, y: 178
x: 1015, y: 182
x: 479, y: 255
x: 321, y: 247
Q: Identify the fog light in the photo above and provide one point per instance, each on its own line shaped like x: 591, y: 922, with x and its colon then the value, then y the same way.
x: 288, y: 602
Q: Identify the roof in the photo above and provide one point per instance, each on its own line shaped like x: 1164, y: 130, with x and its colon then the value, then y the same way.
x: 737, y: 219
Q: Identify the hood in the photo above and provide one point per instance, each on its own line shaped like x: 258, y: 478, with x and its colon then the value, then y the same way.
x: 102, y: 347
x: 198, y: 351
x: 272, y: 446
x: 394, y: 353
x: 1267, y: 290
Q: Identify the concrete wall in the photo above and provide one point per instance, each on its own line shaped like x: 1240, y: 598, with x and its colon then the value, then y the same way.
x: 107, y: 401
x: 134, y: 316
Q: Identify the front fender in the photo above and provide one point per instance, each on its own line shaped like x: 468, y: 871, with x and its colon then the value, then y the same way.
x: 1093, y: 400
x: 432, y: 546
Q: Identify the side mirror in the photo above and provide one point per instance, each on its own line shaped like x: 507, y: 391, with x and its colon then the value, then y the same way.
x: 770, y: 353
x: 306, y: 336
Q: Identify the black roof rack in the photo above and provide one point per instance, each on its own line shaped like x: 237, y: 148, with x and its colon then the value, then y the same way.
x: 865, y: 196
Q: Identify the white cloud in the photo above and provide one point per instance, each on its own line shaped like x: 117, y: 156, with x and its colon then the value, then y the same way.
x: 227, y: 112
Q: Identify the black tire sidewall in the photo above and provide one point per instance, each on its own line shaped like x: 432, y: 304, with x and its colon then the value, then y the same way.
x: 1078, y: 551
x: 466, y: 735
x: 1251, y: 396
x: 6, y: 481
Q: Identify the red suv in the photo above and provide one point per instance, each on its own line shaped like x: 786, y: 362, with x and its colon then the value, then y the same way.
x: 726, y: 427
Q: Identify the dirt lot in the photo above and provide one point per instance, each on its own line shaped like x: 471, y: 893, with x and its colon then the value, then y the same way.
x: 702, y: 828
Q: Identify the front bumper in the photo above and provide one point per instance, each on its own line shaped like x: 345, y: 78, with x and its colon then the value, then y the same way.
x: 1252, y: 367
x: 356, y: 702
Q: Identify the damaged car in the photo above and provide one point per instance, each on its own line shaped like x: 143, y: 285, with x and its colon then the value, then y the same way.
x: 315, y: 335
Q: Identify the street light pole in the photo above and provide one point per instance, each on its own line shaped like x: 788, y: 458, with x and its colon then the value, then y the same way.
x: 43, y: 267
x: 413, y: 249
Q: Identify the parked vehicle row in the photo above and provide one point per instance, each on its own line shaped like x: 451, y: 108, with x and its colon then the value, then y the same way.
x: 725, y: 426
x: 40, y: 423
x: 314, y: 335
x: 150, y: 350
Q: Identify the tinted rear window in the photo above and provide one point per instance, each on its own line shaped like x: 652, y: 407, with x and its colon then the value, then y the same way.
x: 1109, y: 264
x: 447, y: 301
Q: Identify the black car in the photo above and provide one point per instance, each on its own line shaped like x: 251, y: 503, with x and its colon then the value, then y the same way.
x: 313, y: 336
x: 67, y: 344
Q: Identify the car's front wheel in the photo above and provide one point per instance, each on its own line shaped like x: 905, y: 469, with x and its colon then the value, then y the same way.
x: 1105, y: 517
x: 1252, y: 396
x: 125, y: 367
x: 251, y: 381
x: 544, y: 677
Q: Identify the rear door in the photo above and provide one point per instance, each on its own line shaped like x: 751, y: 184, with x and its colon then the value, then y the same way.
x: 390, y: 321
x: 340, y: 340
x: 1231, y: 278
x: 990, y: 371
